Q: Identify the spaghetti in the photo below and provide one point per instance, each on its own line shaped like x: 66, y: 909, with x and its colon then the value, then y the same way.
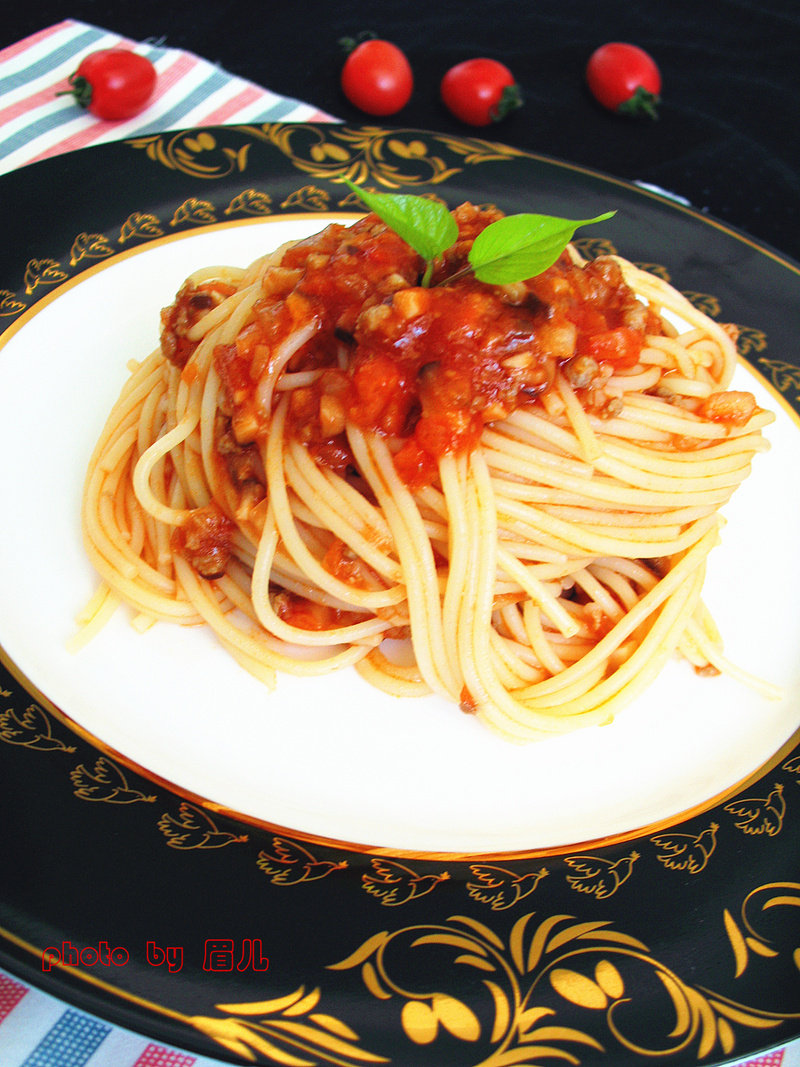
x: 505, y: 495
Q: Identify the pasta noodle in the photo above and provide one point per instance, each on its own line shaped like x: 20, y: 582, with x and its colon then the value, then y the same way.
x: 505, y: 495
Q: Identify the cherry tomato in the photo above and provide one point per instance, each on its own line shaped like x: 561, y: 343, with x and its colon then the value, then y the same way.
x: 113, y: 83
x: 625, y: 79
x: 480, y: 91
x: 377, y: 77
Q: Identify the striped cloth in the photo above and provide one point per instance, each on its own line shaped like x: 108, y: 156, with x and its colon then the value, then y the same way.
x: 36, y: 123
x: 36, y: 1030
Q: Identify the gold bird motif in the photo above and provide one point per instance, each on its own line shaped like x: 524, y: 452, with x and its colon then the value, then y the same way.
x: 32, y: 729
x: 499, y: 888
x: 599, y: 876
x: 686, y: 852
x: 393, y: 883
x: 106, y: 782
x: 760, y: 815
x: 194, y: 828
x: 291, y: 864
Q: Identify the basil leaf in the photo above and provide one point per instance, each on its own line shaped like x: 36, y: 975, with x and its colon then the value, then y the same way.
x: 518, y: 247
x: 424, y: 224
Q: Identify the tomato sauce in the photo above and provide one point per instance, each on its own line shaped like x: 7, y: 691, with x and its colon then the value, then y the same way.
x: 428, y: 367
x: 189, y: 306
x: 305, y: 614
x: 205, y: 539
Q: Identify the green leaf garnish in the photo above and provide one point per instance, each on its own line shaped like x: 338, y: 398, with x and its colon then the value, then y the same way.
x: 512, y: 249
x: 424, y: 224
x: 522, y: 246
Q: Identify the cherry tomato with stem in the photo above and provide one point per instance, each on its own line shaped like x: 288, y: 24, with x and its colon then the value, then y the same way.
x: 113, y: 83
x: 480, y: 91
x: 376, y: 76
x: 624, y: 78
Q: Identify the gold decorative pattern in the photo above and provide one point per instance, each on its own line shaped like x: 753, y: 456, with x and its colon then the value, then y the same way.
x: 250, y: 202
x: 393, y: 158
x: 394, y: 883
x: 590, y: 966
x: 686, y: 852
x: 9, y: 305
x: 592, y: 247
x: 751, y: 340
x: 89, y: 246
x: 705, y: 302
x: 194, y: 828
x: 289, y: 1030
x: 599, y: 876
x: 195, y: 153
x: 290, y: 863
x: 760, y: 815
x: 658, y: 269
x: 194, y: 211
x: 784, y: 376
x: 43, y: 272
x: 105, y: 782
x: 475, y: 150
x: 31, y: 729
x: 308, y: 198
x: 743, y: 935
x: 142, y: 225
x: 500, y: 888
x: 793, y: 767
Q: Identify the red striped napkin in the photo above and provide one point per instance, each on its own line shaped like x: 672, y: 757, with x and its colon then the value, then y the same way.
x: 36, y: 123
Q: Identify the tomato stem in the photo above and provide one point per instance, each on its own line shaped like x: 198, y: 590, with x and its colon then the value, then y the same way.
x: 641, y: 103
x: 349, y: 44
x: 81, y: 90
x: 508, y: 102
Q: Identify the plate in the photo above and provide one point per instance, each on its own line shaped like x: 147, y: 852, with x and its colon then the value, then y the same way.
x: 359, y: 879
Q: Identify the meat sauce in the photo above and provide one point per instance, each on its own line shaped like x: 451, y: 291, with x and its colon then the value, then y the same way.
x: 206, y: 540
x: 430, y: 366
x: 177, y: 320
x: 427, y: 366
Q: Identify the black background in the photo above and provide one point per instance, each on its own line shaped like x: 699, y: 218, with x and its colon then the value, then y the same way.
x: 728, y: 136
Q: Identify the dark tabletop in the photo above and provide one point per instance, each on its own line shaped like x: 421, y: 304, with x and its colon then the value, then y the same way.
x: 728, y: 136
